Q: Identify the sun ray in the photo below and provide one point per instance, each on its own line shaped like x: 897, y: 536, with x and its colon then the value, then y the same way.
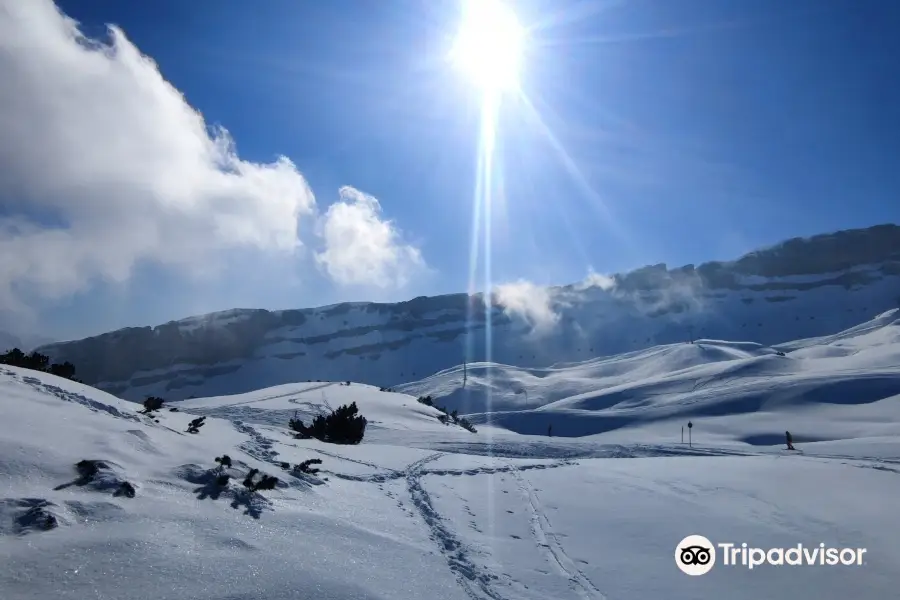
x: 576, y: 12
x: 565, y: 158
x: 488, y: 51
x: 687, y: 31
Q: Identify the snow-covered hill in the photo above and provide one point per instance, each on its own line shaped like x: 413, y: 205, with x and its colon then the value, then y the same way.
x: 853, y: 377
x: 425, y: 510
x: 798, y: 289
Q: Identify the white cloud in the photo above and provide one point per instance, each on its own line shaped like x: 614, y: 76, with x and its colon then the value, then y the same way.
x: 363, y: 249
x: 542, y: 307
x: 104, y: 165
x: 97, y: 145
x: 530, y: 302
x: 596, y: 280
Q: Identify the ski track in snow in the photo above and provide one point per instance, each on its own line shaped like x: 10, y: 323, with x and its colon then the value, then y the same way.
x: 548, y: 541
x: 258, y: 446
x: 309, y: 405
x: 494, y: 470
x: 392, y: 474
x: 886, y: 465
x: 243, y: 412
x: 39, y: 386
x: 477, y: 580
x: 537, y: 450
x: 277, y: 396
x: 352, y: 460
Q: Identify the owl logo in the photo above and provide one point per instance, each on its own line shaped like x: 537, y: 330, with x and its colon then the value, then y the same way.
x: 695, y: 555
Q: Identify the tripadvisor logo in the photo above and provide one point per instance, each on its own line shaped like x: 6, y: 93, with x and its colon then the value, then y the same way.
x: 696, y: 555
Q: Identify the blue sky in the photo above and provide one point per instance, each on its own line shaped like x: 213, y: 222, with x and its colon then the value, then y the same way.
x: 682, y: 131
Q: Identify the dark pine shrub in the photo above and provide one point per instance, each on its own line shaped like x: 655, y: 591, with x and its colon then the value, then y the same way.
x: 195, y: 425
x: 343, y: 426
x: 152, y: 403
x: 306, y: 466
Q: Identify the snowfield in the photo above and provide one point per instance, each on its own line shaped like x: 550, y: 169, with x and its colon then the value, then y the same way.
x: 426, y: 510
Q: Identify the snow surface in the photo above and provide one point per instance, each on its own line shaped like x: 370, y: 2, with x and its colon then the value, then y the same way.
x: 425, y: 510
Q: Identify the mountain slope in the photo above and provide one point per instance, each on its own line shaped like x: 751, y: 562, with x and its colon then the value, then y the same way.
x: 511, y: 387
x: 416, y: 510
x: 853, y: 377
x: 798, y: 289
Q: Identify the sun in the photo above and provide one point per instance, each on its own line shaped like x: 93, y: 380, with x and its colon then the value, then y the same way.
x: 489, y: 45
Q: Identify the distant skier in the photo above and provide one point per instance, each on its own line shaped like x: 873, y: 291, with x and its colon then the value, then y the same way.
x: 790, y: 440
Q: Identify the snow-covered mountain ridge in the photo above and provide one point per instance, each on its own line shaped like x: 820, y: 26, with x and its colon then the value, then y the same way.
x: 800, y: 288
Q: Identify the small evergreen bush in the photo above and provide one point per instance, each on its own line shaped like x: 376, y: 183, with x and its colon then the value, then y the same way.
x: 152, y: 403
x: 267, y: 482
x: 343, y: 426
x: 305, y: 467
x: 195, y: 425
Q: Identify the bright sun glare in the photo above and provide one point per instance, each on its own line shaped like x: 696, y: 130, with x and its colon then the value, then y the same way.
x: 488, y: 47
x: 488, y: 51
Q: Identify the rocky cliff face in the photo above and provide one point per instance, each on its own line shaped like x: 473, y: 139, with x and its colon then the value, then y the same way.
x: 799, y: 288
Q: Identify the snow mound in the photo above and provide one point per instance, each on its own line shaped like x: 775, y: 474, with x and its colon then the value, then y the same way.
x: 494, y: 387
x: 64, y: 464
x: 883, y: 329
x: 385, y: 411
x: 850, y: 376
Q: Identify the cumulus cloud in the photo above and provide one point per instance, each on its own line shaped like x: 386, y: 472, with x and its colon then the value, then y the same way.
x: 530, y: 302
x: 104, y: 165
x: 363, y: 249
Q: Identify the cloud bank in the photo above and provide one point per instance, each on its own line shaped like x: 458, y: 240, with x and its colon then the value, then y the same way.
x: 104, y: 165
